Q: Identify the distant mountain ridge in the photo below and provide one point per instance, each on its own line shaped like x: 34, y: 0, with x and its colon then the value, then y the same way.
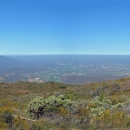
x: 6, y: 62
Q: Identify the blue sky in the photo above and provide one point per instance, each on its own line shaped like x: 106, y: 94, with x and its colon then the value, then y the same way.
x: 64, y: 27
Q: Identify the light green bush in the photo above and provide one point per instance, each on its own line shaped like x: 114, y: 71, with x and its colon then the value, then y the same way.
x: 98, y: 105
x: 38, y: 106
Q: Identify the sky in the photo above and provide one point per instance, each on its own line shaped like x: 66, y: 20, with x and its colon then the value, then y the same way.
x: 81, y: 27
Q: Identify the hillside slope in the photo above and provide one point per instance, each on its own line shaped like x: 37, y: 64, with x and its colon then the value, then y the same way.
x: 101, y: 105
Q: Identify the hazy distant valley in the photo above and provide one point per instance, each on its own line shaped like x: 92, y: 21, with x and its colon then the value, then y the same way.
x: 65, y: 69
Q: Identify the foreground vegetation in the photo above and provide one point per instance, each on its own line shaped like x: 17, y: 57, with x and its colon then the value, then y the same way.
x: 56, y: 106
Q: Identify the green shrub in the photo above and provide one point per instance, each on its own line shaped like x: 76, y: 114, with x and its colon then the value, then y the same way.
x: 38, y: 106
x: 71, y: 95
x: 63, y: 87
x: 98, y: 105
x: 7, y: 118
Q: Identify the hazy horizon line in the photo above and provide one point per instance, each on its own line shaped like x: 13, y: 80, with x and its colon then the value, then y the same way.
x: 64, y: 54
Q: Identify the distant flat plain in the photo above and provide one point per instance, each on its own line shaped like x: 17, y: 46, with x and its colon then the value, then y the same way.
x: 69, y: 69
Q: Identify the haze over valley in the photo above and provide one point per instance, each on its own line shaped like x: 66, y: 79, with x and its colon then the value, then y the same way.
x: 69, y: 69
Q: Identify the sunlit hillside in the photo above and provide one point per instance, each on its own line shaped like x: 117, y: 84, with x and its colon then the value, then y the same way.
x: 57, y: 106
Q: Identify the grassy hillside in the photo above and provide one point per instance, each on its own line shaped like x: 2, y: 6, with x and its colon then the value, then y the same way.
x: 57, y: 106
